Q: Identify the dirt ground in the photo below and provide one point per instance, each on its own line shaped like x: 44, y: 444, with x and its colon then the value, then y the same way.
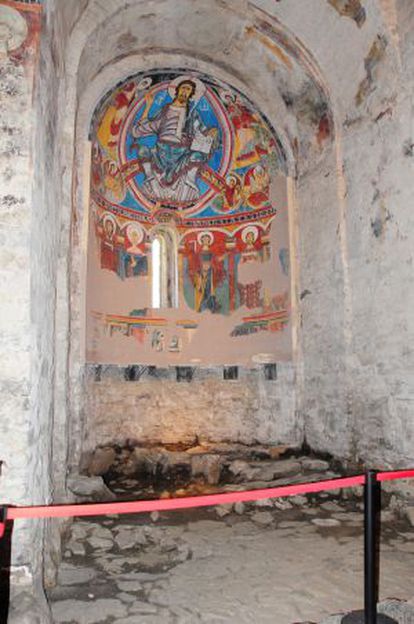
x: 282, y: 562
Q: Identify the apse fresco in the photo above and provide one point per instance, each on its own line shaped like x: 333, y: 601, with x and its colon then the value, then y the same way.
x: 179, y: 150
x: 20, y: 28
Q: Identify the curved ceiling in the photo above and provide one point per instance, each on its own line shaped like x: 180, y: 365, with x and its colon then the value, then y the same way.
x: 302, y: 63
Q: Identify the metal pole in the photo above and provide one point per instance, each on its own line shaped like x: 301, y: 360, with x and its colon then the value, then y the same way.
x: 372, y: 498
x: 3, y: 519
x: 5, y: 560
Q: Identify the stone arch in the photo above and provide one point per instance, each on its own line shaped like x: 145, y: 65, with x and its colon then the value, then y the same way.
x: 87, y: 101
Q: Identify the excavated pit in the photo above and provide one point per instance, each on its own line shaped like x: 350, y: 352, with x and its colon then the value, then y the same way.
x: 178, y: 470
x: 230, y: 563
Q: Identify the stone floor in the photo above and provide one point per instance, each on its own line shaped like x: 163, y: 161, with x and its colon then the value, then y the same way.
x: 281, y: 562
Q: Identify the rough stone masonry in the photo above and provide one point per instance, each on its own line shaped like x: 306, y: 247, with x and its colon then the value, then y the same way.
x: 335, y: 81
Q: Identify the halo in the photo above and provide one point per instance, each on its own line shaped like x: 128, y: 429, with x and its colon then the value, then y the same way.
x: 13, y: 29
x: 250, y: 228
x: 233, y: 176
x: 259, y: 168
x: 225, y: 95
x: 134, y: 227
x: 205, y: 233
x: 111, y: 218
x: 199, y: 90
x: 144, y: 84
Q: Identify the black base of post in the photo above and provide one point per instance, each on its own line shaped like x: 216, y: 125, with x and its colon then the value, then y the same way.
x: 5, y: 562
x: 372, y: 507
x: 358, y: 617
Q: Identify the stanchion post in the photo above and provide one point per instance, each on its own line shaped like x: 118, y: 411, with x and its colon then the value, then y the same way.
x: 3, y: 520
x: 371, y: 510
x: 372, y: 501
x: 5, y: 559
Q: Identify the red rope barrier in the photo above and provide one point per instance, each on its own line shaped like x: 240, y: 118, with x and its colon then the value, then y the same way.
x: 96, y: 509
x: 396, y: 474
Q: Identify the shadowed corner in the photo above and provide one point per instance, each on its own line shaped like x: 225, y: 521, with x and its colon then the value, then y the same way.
x: 5, y: 562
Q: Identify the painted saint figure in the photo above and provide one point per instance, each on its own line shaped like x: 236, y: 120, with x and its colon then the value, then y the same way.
x: 252, y: 246
x: 134, y: 258
x: 183, y: 144
x: 208, y: 274
x: 110, y: 247
x: 256, y: 186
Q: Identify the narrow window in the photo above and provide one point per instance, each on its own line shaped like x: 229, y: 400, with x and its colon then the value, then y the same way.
x: 156, y: 273
x: 164, y: 270
x: 230, y: 372
x: 270, y: 372
x: 184, y: 373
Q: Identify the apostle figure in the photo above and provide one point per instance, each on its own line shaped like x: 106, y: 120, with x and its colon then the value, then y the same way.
x: 134, y: 257
x: 109, y: 244
x: 256, y: 186
x: 208, y: 273
x: 110, y: 124
x: 252, y: 246
x: 232, y: 195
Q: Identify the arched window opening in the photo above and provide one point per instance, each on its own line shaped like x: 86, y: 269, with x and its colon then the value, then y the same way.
x: 164, y: 270
x: 156, y: 273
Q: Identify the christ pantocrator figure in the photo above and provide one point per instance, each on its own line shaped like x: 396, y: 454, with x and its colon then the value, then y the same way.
x: 183, y: 144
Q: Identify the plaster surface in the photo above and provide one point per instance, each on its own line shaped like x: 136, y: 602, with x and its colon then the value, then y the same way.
x: 338, y: 89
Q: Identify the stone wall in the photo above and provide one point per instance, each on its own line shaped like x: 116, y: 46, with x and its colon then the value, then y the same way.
x: 344, y: 405
x: 322, y: 311
x: 358, y: 360
x: 339, y: 91
x: 24, y: 467
x: 31, y: 226
x: 158, y: 408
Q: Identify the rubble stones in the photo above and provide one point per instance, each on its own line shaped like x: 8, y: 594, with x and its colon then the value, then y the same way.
x: 171, y: 461
x: 263, y: 471
x: 98, y: 542
x: 162, y: 569
x: 331, y: 506
x: 90, y: 488
x: 209, y: 466
x: 73, y: 575
x: 400, y: 610
x: 101, y: 461
x: 209, y: 462
x: 76, y: 548
x: 275, y: 452
x: 287, y: 467
x: 409, y: 512
x: 25, y: 609
x: 282, y: 503
x: 223, y: 510
x: 265, y: 502
x: 326, y: 522
x: 314, y: 465
x: 129, y: 586
x: 298, y: 500
x: 263, y: 518
x: 128, y: 538
x: 128, y: 598
x: 241, y: 468
x: 146, y: 459
x: 143, y: 607
x: 239, y: 508
x: 119, y: 548
x: 83, y: 612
